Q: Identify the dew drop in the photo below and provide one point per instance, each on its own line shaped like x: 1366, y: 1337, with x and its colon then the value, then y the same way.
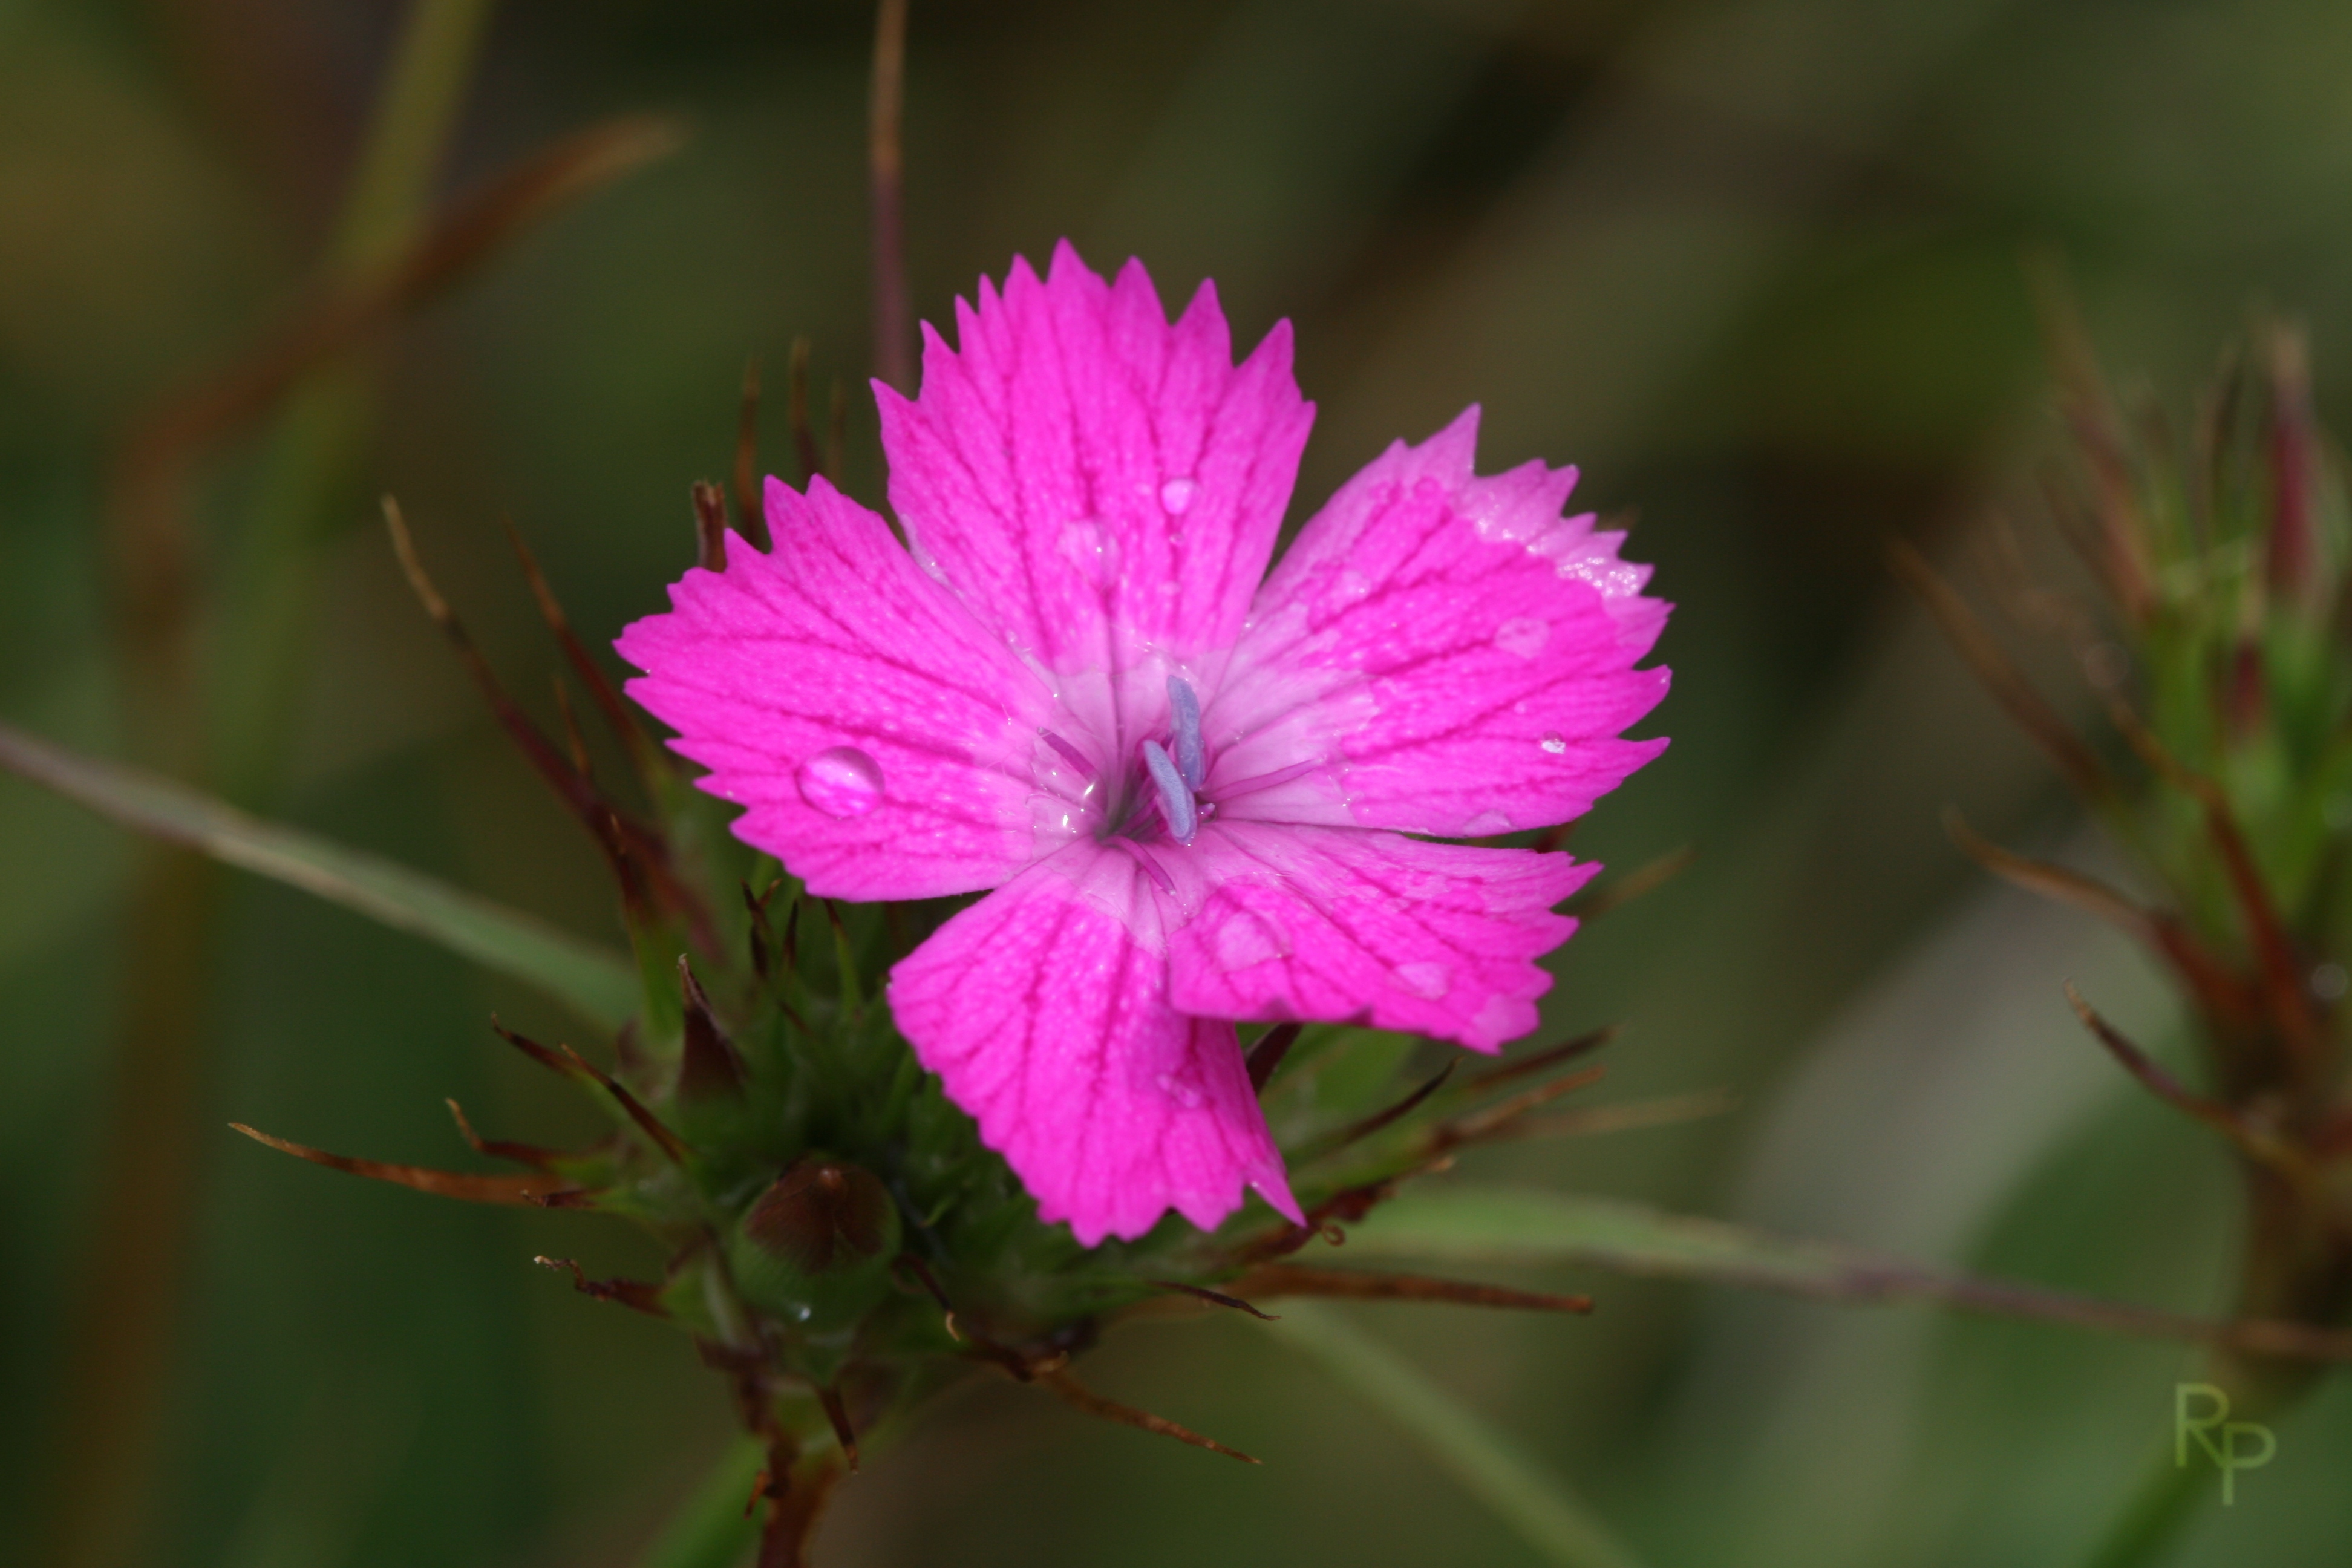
x: 1182, y: 1093
x: 1088, y: 545
x: 1354, y: 584
x: 1485, y: 823
x: 1248, y: 940
x: 1552, y: 742
x: 1425, y: 980
x: 841, y: 782
x: 1523, y: 635
x: 1176, y: 495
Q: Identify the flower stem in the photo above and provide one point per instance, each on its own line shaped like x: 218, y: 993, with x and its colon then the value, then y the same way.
x: 1548, y: 1515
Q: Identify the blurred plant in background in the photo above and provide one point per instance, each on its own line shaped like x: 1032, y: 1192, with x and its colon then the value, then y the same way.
x: 1755, y: 263
x: 2222, y: 653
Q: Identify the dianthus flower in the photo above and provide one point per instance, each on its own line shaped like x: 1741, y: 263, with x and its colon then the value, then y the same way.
x: 1190, y: 790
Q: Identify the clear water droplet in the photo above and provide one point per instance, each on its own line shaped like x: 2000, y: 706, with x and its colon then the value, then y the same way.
x: 1248, y: 940
x: 1185, y: 1094
x: 1429, y: 981
x: 1176, y: 495
x: 1485, y: 823
x: 841, y: 782
x: 1552, y: 742
x: 1523, y: 635
x: 1088, y: 545
x: 1354, y: 584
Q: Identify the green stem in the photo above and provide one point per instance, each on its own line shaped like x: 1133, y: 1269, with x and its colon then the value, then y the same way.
x: 116, y: 1378
x: 1548, y: 1515
x: 416, y: 115
x: 711, y: 1529
x: 267, y: 604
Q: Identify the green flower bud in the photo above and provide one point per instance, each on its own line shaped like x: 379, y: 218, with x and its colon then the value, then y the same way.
x: 812, y: 1252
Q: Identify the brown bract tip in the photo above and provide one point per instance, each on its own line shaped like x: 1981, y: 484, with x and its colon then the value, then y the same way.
x: 1079, y: 1395
x: 709, y: 526
x: 635, y: 1294
x: 520, y: 1190
x: 709, y: 1067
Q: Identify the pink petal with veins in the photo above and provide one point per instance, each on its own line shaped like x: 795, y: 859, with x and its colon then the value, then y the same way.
x: 879, y: 738
x: 1044, y: 1009
x: 1459, y: 654
x: 1339, y: 924
x: 1089, y: 477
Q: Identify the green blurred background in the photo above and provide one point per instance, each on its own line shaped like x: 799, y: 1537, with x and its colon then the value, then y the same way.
x: 1755, y: 266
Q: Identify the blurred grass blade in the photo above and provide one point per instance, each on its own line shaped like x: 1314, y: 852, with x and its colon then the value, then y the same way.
x: 1549, y: 1516
x: 599, y: 982
x: 713, y: 1528
x: 1464, y: 1222
x: 462, y: 239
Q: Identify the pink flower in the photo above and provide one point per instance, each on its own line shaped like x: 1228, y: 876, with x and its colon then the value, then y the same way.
x: 1189, y: 790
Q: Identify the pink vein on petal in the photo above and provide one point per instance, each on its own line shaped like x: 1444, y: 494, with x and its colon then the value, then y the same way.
x: 833, y: 643
x: 1461, y: 654
x: 1090, y: 478
x: 1339, y: 924
x: 1044, y: 1009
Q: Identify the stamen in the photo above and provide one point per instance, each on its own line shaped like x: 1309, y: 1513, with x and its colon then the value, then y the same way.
x: 1184, y: 717
x: 1070, y: 753
x: 1175, y: 799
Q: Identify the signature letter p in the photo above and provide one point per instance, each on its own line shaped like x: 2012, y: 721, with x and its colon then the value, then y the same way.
x: 2225, y: 1452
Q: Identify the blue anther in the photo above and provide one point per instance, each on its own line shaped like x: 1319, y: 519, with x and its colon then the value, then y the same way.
x: 1175, y: 800
x: 1184, y: 717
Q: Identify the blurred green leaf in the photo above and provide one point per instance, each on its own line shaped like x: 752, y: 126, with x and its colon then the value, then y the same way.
x: 1540, y: 1507
x: 596, y: 980
x: 1465, y: 1223
x: 712, y: 1528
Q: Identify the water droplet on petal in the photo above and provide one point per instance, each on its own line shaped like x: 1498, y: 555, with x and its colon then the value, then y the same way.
x: 1429, y: 981
x: 1185, y: 1094
x: 1249, y: 939
x: 1354, y: 584
x: 1176, y: 495
x: 1088, y: 545
x: 1552, y: 742
x: 841, y: 782
x: 1485, y: 823
x: 1523, y: 635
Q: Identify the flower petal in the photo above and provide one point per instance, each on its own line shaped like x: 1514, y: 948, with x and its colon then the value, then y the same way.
x: 1461, y: 654
x: 1089, y: 477
x: 1044, y: 1008
x: 880, y: 738
x: 1339, y: 924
